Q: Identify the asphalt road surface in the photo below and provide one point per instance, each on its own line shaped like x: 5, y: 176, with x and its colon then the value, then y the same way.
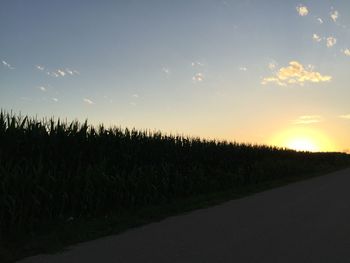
x: 306, y: 221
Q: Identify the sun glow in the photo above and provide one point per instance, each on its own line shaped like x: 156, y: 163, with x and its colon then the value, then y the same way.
x: 303, y: 139
x: 303, y: 144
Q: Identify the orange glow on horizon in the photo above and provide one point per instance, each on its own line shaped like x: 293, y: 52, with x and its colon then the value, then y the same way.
x: 303, y: 139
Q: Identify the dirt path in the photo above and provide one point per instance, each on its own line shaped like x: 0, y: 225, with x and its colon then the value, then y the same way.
x: 307, y: 222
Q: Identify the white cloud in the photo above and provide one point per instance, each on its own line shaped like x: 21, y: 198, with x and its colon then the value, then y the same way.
x: 135, y: 95
x: 88, y: 101
x: 61, y: 72
x: 331, y: 41
x: 295, y: 73
x: 7, y: 64
x: 55, y: 99
x: 243, y: 69
x: 166, y: 70
x: 197, y: 63
x: 39, y: 67
x: 308, y: 119
x: 198, y: 77
x: 42, y: 88
x: 346, y: 116
x: 319, y: 20
x: 302, y: 10
x: 316, y: 38
x: 70, y: 72
x: 334, y: 15
x: 272, y: 65
x: 52, y: 74
x: 347, y: 52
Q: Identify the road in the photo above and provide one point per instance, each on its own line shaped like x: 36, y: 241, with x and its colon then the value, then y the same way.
x: 307, y: 221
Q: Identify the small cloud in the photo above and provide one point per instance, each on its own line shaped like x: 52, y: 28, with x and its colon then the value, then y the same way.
x: 197, y: 63
x: 42, y: 88
x: 331, y: 41
x: 347, y: 52
x: 52, y: 74
x: 308, y: 119
x: 39, y: 67
x: 302, y: 10
x: 88, y: 101
x: 334, y: 15
x: 166, y: 70
x: 55, y: 99
x: 272, y: 65
x: 346, y: 116
x: 295, y: 73
x: 243, y: 69
x: 61, y: 72
x: 7, y: 64
x: 70, y: 72
x: 198, y: 77
x: 319, y: 20
x: 316, y: 38
x: 135, y: 95
x: 273, y: 80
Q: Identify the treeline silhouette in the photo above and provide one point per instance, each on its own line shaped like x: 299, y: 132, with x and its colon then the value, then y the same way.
x: 52, y: 171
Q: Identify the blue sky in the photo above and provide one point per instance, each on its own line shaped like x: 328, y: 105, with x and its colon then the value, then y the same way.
x: 271, y: 72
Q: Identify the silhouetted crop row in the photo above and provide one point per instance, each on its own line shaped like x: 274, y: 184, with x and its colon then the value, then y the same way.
x: 52, y: 170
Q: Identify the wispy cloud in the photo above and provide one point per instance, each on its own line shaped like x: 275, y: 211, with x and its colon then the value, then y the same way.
x: 55, y: 99
x: 135, y: 95
x: 334, y: 14
x: 243, y: 68
x: 295, y: 73
x: 316, y: 38
x: 52, y: 74
x: 308, y: 119
x: 39, y: 67
x: 272, y: 65
x: 346, y: 116
x: 42, y: 88
x: 88, y: 101
x: 319, y: 20
x: 302, y: 10
x: 61, y: 72
x: 70, y: 72
x: 197, y: 63
x: 331, y: 41
x: 6, y: 64
x: 198, y: 77
x: 347, y: 52
x: 166, y: 70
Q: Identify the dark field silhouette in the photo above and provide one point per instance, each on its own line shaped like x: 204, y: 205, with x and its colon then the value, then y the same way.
x: 305, y: 222
x: 52, y: 172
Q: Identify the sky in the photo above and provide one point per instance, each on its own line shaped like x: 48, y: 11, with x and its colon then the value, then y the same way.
x: 266, y: 72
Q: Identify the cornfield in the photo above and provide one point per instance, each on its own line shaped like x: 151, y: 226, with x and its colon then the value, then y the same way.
x: 52, y: 170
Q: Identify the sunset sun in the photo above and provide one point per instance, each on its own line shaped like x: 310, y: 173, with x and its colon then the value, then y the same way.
x: 303, y: 139
x: 303, y: 144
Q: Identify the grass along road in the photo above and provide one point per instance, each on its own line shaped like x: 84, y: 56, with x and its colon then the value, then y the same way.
x: 307, y: 221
